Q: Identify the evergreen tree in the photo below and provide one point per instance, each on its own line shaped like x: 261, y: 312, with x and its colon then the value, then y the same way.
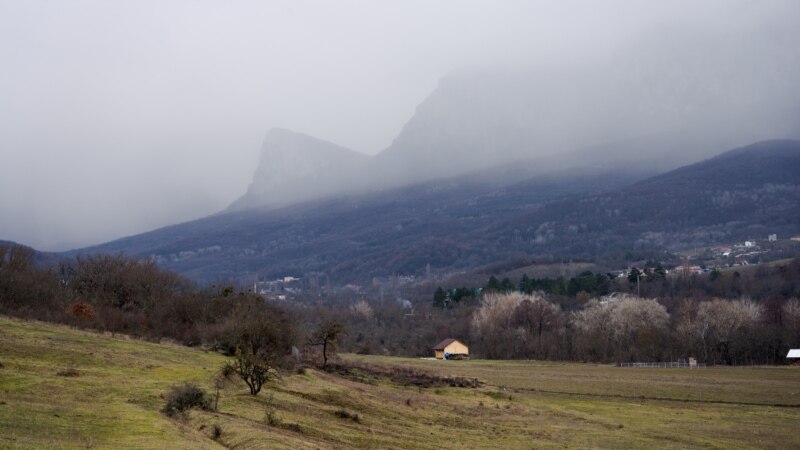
x: 525, y: 284
x: 506, y: 286
x: 634, y: 274
x: 439, y: 297
x: 493, y: 285
x: 658, y: 273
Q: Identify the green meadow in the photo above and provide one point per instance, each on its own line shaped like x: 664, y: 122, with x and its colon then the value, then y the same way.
x: 114, y: 392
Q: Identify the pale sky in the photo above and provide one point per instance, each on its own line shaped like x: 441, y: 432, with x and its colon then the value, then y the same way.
x: 118, y: 117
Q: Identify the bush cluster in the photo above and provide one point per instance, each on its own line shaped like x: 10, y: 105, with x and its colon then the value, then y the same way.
x: 184, y: 397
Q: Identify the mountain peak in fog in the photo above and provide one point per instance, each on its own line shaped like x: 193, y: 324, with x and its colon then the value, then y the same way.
x: 653, y: 106
x: 295, y: 167
x: 672, y: 103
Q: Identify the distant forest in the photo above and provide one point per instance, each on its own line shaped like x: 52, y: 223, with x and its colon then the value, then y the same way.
x: 745, y: 316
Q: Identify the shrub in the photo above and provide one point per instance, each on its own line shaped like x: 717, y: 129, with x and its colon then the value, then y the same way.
x: 216, y: 432
x: 68, y: 372
x: 227, y: 371
x: 271, y: 412
x: 292, y: 427
x: 183, y: 397
x: 347, y: 415
x: 83, y: 310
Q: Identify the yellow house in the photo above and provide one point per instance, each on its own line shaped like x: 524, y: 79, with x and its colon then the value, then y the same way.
x: 450, y: 349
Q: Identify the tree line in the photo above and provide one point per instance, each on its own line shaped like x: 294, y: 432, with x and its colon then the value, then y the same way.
x: 120, y: 294
x: 734, y: 317
x: 627, y: 328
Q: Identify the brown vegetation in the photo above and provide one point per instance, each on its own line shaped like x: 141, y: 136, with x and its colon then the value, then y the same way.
x: 183, y: 397
x: 746, y: 317
x: 405, y: 376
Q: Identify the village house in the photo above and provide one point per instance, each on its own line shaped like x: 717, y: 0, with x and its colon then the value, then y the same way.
x: 450, y: 349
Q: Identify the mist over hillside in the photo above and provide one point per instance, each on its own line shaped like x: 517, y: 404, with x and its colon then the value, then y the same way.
x: 295, y: 167
x: 109, y: 131
x: 655, y: 105
x: 463, y: 222
x: 743, y: 194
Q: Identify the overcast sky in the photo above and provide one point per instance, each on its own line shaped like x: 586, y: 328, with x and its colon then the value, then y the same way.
x: 120, y: 117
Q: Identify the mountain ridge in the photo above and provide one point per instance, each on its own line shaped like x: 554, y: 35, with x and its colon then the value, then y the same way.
x: 746, y: 192
x: 295, y: 167
x: 463, y: 222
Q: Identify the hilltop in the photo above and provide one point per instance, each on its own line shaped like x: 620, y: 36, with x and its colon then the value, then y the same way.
x: 40, y: 258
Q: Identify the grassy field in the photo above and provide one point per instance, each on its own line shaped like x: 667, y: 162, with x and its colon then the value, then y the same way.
x: 115, y: 402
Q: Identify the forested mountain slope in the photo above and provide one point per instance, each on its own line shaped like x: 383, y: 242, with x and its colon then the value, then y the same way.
x: 742, y: 194
x: 463, y: 222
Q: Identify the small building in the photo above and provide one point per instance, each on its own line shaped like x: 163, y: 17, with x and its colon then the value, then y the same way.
x: 689, y: 269
x: 450, y: 349
x: 772, y: 237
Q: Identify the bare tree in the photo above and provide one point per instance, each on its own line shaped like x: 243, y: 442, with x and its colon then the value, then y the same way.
x: 541, y: 320
x: 362, y: 308
x: 626, y: 328
x: 791, y: 321
x: 262, y: 337
x: 326, y: 336
x: 255, y: 368
x: 593, y: 331
x: 724, y: 327
x: 516, y: 325
x: 640, y: 328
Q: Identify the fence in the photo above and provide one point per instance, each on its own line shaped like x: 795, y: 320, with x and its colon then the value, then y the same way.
x: 664, y: 365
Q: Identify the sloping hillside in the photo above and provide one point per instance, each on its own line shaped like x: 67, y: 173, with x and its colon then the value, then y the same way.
x: 114, y: 396
x: 465, y: 222
x: 745, y: 193
x: 353, y: 238
x: 42, y: 259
